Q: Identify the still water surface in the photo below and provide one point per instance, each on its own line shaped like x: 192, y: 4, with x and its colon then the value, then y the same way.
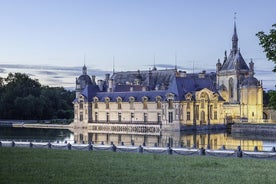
x: 212, y: 140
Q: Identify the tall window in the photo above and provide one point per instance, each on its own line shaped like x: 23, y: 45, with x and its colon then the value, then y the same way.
x: 231, y: 87
x: 188, y: 115
x: 202, y: 103
x: 81, y: 116
x: 202, y: 117
x: 197, y: 112
x: 211, y: 112
x: 81, y: 104
x: 145, y: 117
x: 215, y: 115
x: 96, y: 116
x: 188, y: 105
x: 215, y: 104
x: 120, y: 117
x: 158, y: 117
x: 170, y: 117
x: 131, y: 116
x: 107, y: 117
x: 170, y: 104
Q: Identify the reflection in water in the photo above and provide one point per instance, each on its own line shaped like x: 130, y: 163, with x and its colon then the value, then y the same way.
x: 212, y: 140
x: 35, y: 134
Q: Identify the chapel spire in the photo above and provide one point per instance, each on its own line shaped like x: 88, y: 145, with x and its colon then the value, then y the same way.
x: 235, y: 37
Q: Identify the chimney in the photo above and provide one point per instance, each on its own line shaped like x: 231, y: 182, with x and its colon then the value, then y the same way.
x: 202, y: 74
x: 93, y: 79
x: 182, y: 74
x: 110, y: 85
x: 107, y: 76
x: 100, y: 84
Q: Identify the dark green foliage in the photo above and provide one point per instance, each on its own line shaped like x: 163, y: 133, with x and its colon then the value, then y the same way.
x: 272, y: 99
x: 26, y: 165
x: 268, y: 42
x: 265, y: 99
x: 24, y: 98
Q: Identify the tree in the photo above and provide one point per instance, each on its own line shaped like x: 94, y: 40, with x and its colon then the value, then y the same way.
x: 272, y: 99
x: 268, y: 42
x: 24, y: 98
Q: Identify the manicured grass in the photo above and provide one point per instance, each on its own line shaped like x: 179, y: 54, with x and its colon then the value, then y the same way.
x: 25, y: 165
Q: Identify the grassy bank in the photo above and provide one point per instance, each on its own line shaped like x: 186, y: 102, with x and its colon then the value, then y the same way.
x: 24, y: 165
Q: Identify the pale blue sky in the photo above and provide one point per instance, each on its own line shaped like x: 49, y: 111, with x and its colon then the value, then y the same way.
x: 61, y: 32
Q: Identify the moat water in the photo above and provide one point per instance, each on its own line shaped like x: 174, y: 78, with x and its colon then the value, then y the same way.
x: 208, y: 139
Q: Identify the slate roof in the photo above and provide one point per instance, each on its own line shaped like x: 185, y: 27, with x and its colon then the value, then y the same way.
x: 233, y: 60
x: 150, y: 78
x: 179, y: 86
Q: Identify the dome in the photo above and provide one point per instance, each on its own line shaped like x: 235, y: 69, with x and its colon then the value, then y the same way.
x: 85, y: 78
x: 250, y: 81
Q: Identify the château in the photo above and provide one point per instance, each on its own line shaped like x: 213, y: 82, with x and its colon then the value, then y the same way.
x: 152, y: 100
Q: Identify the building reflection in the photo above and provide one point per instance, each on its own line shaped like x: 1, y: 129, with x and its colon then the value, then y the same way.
x: 208, y: 140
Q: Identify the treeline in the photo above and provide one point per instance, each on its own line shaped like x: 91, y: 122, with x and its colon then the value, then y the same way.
x: 24, y: 98
x: 269, y: 99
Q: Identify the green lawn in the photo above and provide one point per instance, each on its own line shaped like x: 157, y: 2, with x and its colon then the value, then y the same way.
x: 25, y: 165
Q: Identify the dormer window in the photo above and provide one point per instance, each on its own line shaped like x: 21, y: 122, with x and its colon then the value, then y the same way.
x: 170, y: 98
x: 107, y: 100
x: 119, y: 102
x: 131, y: 102
x: 188, y: 96
x: 96, y: 100
x: 158, y: 102
x: 145, y: 101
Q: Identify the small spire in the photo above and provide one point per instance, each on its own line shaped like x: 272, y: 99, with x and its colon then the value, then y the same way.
x: 175, y: 61
x: 113, y: 64
x: 154, y: 67
x: 84, y: 68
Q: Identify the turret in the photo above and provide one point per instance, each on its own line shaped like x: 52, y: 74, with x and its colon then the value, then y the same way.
x: 218, y: 65
x: 251, y: 68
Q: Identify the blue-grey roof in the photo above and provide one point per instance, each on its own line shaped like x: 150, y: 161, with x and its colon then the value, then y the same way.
x: 179, y: 86
x: 90, y: 91
x: 250, y: 81
x: 192, y: 83
x: 235, y: 61
x: 150, y: 78
x: 151, y: 95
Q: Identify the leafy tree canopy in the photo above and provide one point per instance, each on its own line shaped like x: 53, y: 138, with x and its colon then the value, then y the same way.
x: 24, y: 98
x: 268, y: 42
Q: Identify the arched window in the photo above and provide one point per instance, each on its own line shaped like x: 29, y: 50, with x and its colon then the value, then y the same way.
x: 231, y: 87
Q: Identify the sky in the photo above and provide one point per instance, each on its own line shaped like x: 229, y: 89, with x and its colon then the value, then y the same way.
x: 52, y: 39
